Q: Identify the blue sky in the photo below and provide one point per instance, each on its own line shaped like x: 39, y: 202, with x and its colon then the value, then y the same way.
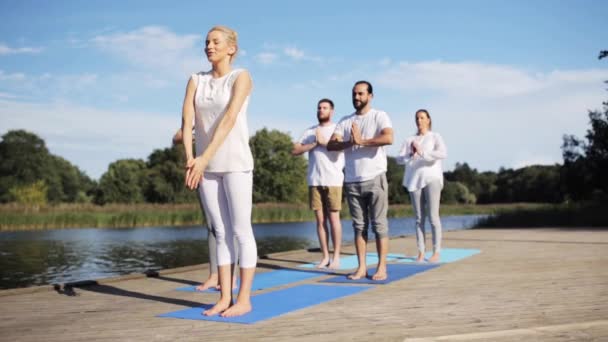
x: 503, y: 80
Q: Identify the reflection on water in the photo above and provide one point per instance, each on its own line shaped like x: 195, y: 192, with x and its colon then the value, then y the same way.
x: 65, y: 255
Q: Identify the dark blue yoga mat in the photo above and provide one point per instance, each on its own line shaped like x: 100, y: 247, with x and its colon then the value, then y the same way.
x: 269, y: 279
x: 277, y: 303
x: 395, y: 272
x: 351, y: 261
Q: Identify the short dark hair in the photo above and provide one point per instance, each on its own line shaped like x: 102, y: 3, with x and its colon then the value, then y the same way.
x: 370, y: 89
x: 331, y: 103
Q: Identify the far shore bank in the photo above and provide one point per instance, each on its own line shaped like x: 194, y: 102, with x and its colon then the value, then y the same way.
x: 18, y: 218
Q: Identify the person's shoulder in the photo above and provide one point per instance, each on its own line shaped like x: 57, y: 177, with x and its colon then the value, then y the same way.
x: 436, y: 135
x: 332, y: 125
x: 378, y: 112
x: 312, y: 128
x: 346, y: 118
x: 238, y: 71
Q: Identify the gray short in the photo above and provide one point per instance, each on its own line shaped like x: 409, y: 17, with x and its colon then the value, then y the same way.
x: 368, y: 201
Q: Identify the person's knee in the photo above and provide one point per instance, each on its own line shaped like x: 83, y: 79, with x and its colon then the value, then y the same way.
x: 380, y: 229
x: 360, y: 233
x: 244, y: 235
x: 435, y: 222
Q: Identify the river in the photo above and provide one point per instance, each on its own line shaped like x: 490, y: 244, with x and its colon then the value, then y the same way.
x: 30, y: 258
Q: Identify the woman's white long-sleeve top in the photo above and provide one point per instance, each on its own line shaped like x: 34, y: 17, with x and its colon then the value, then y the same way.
x: 424, y: 167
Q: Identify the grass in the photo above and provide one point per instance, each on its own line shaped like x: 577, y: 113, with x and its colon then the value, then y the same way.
x: 550, y: 215
x: 18, y: 217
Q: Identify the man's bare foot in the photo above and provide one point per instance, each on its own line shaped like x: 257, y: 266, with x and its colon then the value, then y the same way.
x: 219, y: 307
x: 209, y: 283
x: 334, y: 264
x: 237, y: 309
x: 324, y: 263
x: 380, y: 274
x: 435, y: 257
x: 360, y: 273
x: 420, y: 257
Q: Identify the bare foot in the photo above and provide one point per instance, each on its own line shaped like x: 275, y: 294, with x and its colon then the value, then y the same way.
x: 435, y: 257
x: 420, y: 257
x: 218, y: 308
x: 324, y: 263
x: 360, y: 273
x: 334, y: 264
x: 380, y: 274
x: 237, y: 309
x: 209, y: 283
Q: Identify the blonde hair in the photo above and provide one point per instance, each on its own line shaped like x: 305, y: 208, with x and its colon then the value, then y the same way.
x: 231, y: 37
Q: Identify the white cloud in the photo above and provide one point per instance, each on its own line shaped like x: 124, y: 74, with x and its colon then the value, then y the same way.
x: 294, y: 53
x: 482, y: 80
x: 7, y: 96
x: 48, y: 85
x: 155, y: 48
x: 11, y: 77
x: 494, y: 115
x: 299, y: 55
x: 7, y: 50
x: 266, y: 57
x: 91, y: 138
x: 385, y: 62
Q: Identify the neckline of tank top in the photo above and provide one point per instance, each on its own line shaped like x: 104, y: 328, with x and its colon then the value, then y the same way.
x: 221, y: 77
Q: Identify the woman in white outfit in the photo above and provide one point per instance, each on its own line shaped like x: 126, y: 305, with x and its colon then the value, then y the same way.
x: 217, y: 100
x: 422, y: 154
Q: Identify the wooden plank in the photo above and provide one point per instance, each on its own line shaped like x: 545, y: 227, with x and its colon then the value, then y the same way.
x: 543, y: 284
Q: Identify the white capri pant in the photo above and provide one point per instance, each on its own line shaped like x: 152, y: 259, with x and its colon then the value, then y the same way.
x: 227, y: 200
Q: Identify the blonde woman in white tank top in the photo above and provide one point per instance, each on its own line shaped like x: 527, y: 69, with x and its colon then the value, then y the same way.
x: 217, y: 101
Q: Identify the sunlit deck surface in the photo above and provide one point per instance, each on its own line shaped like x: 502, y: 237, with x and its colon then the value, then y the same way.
x: 525, y: 285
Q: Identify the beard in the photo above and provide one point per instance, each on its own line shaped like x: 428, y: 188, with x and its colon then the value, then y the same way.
x: 322, y: 119
x: 359, y: 104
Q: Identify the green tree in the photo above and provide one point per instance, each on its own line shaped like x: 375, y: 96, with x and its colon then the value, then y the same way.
x: 456, y: 192
x: 278, y: 176
x: 32, y: 194
x: 397, y: 194
x: 164, y: 177
x: 26, y: 160
x: 122, y: 183
x: 586, y: 162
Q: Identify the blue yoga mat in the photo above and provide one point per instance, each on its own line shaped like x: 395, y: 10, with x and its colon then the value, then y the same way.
x: 395, y: 272
x: 273, y: 304
x: 447, y: 255
x: 269, y: 279
x: 351, y: 261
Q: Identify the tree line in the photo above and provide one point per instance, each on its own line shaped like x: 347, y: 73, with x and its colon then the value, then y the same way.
x: 30, y: 174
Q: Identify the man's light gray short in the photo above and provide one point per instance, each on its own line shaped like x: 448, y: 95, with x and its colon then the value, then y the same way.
x: 368, y: 202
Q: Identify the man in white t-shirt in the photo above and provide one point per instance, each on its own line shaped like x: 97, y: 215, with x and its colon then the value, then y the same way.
x: 325, y: 180
x: 363, y: 135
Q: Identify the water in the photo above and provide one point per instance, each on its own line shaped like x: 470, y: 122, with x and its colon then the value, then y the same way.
x: 64, y: 255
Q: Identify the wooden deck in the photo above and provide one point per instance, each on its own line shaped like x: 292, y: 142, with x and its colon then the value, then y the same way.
x: 526, y: 285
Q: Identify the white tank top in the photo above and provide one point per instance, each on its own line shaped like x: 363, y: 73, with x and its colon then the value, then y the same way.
x: 210, y: 103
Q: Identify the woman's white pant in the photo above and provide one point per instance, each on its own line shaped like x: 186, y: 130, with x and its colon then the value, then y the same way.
x: 227, y: 199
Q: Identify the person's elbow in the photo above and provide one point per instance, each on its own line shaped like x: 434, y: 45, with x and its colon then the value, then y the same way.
x: 332, y: 146
x: 388, y: 139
